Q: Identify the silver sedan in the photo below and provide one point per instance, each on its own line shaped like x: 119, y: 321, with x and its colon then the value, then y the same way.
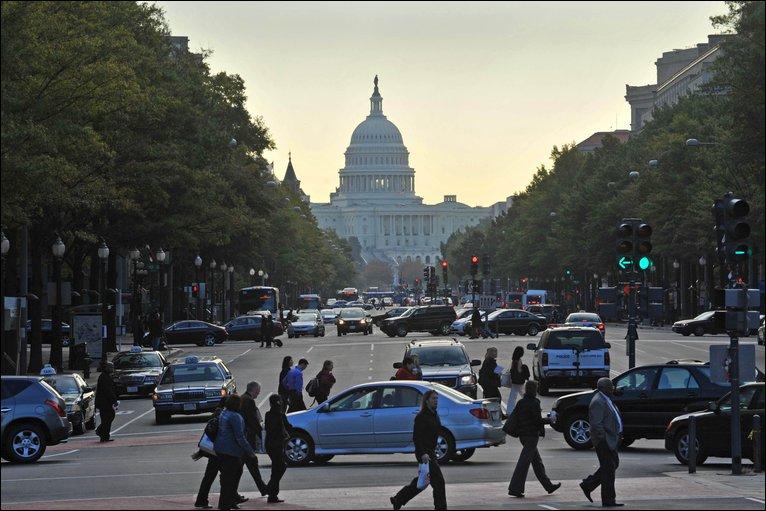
x: 378, y: 418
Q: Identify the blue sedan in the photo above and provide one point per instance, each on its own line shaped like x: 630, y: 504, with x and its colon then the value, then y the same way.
x: 378, y: 418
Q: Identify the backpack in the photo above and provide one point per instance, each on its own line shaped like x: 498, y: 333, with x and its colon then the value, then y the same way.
x: 312, y: 387
x: 211, y: 428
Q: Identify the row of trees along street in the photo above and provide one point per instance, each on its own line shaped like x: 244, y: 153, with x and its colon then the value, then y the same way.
x: 111, y: 134
x: 567, y: 216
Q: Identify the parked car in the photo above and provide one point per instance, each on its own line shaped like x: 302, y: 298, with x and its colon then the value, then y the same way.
x: 390, y: 313
x: 248, y: 327
x: 648, y: 398
x: 137, y: 372
x: 33, y: 417
x: 196, y: 332
x: 760, y: 333
x: 353, y: 319
x: 552, y: 313
x: 378, y: 418
x: 47, y: 331
x: 307, y: 323
x: 583, y: 318
x: 514, y: 321
x: 714, y: 427
x: 446, y: 362
x: 192, y: 386
x: 435, y: 319
x: 570, y: 356
x: 79, y: 398
x: 710, y: 322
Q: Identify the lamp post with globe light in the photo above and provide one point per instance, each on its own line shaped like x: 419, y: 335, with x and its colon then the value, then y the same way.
x: 213, y: 266
x: 58, y: 249
x: 103, y: 255
x: 224, y: 269
x: 198, y: 267
x: 160, y: 256
x: 231, y: 290
x: 261, y: 274
x: 5, y: 246
x: 252, y: 276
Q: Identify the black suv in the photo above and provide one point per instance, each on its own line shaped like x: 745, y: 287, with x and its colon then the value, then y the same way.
x: 445, y: 361
x: 435, y: 319
x: 648, y: 398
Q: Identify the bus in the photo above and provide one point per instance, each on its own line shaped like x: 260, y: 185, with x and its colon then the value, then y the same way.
x: 310, y: 301
x: 349, y: 294
x: 258, y: 298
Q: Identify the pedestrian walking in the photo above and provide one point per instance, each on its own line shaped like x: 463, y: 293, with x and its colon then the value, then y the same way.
x: 253, y: 431
x: 294, y: 385
x: 518, y: 375
x: 106, y: 402
x: 326, y: 380
x: 267, y: 335
x: 211, y: 469
x: 605, y: 431
x: 277, y: 433
x: 527, y: 424
x: 406, y: 372
x: 282, y: 315
x: 475, y: 323
x: 155, y: 331
x: 287, y: 364
x: 231, y: 446
x: 424, y: 435
x: 488, y: 377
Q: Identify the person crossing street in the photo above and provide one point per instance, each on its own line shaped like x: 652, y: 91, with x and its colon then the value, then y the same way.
x: 294, y: 385
x: 106, y: 402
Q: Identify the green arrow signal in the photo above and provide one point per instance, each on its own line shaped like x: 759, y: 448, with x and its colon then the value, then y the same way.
x: 624, y: 262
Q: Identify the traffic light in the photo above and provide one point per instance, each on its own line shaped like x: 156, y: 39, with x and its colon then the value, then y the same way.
x: 568, y: 273
x: 195, y: 290
x: 736, y: 229
x: 485, y: 266
x: 474, y: 265
x: 432, y: 273
x: 643, y: 246
x: 624, y: 247
x: 445, y: 267
x: 417, y: 282
x: 426, y: 273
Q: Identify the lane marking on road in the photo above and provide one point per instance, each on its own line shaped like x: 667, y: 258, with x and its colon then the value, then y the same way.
x: 131, y: 421
x: 372, y: 347
x: 755, y: 500
x: 692, y: 347
x: 60, y: 454
x: 241, y: 354
x: 309, y: 350
x: 544, y: 506
x: 124, y: 412
x: 265, y: 399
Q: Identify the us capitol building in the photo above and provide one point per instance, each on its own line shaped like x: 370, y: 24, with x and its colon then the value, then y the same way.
x: 375, y: 201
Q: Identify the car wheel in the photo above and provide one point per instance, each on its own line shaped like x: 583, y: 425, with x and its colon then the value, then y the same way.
x: 401, y: 331
x: 681, y: 448
x: 445, y: 447
x: 444, y: 329
x: 533, y: 330
x: 321, y: 460
x: 161, y: 417
x: 290, y: 336
x: 209, y: 340
x: 340, y: 333
x: 577, y: 433
x: 90, y: 425
x: 299, y: 450
x: 322, y: 334
x: 25, y: 443
x: 390, y: 334
x: 685, y: 334
x: 699, y: 331
x: 463, y: 455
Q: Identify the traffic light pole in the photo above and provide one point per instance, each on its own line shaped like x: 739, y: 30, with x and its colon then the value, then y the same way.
x: 736, y: 426
x: 632, y: 335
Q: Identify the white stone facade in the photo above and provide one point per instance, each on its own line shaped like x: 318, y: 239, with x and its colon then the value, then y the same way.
x: 375, y: 201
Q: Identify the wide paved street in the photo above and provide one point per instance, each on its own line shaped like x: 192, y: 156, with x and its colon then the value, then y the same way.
x: 148, y: 466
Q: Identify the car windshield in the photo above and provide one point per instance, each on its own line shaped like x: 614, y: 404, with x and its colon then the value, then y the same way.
x: 705, y: 315
x: 440, y: 355
x: 494, y: 314
x: 136, y: 360
x: 580, y: 318
x: 63, y: 384
x: 408, y: 312
x: 186, y: 373
x: 352, y: 313
x: 575, y: 340
x: 307, y: 317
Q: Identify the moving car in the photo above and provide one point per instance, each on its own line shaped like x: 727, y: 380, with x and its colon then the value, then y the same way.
x: 710, y: 322
x: 248, y: 327
x: 515, y: 321
x: 714, y: 427
x: 34, y: 417
x: 353, y: 319
x: 463, y: 320
x: 192, y: 386
x: 552, y: 313
x: 435, y: 319
x: 307, y: 323
x: 196, y: 332
x: 80, y: 400
x: 570, y: 356
x: 390, y: 313
x: 137, y: 372
x: 586, y: 319
x: 378, y: 418
x: 446, y: 362
x: 760, y: 333
x: 648, y: 398
x: 47, y: 331
x: 329, y: 316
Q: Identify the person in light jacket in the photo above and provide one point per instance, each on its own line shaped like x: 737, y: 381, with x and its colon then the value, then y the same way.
x: 231, y: 446
x: 519, y: 374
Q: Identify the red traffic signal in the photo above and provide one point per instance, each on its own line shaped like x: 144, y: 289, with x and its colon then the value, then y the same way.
x: 444, y: 264
x: 474, y: 259
x: 195, y: 290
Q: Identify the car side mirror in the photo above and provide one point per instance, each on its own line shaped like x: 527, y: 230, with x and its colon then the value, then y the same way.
x: 475, y: 362
x: 532, y: 346
x: 85, y: 390
x: 397, y: 365
x: 712, y: 406
x: 608, y: 346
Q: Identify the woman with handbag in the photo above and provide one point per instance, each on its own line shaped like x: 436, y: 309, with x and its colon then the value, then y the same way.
x: 526, y: 423
x: 518, y: 375
x: 231, y: 446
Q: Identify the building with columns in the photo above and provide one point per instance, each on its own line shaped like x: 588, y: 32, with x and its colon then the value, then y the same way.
x: 375, y: 201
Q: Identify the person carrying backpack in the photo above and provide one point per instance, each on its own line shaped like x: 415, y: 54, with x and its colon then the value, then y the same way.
x: 518, y: 375
x: 325, y: 380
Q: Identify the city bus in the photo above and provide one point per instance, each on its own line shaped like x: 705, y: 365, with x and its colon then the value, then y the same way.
x: 310, y: 301
x: 350, y: 294
x: 258, y: 298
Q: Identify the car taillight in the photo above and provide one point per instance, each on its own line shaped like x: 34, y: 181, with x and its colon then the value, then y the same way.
x: 56, y: 406
x: 480, y: 413
x: 606, y: 358
x: 545, y: 359
x: 601, y: 326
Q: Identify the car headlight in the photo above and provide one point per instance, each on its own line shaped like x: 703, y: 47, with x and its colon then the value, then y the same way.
x: 162, y: 396
x: 468, y: 379
x: 363, y: 322
x: 341, y: 322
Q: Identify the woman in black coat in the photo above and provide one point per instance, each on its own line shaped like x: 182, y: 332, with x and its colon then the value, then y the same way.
x: 488, y: 378
x: 528, y: 425
x: 277, y: 429
x: 287, y: 364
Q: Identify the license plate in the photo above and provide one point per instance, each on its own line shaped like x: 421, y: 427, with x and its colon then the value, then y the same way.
x: 352, y: 328
x: 188, y: 407
x: 132, y: 389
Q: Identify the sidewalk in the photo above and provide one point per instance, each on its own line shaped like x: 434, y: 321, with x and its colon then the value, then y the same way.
x: 717, y: 490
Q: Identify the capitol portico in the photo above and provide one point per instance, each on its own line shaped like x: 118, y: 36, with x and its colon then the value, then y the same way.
x: 375, y: 201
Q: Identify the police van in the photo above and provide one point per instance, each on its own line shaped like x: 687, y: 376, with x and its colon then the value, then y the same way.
x: 569, y: 356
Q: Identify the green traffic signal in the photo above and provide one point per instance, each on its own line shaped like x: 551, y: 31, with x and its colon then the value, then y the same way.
x: 645, y: 263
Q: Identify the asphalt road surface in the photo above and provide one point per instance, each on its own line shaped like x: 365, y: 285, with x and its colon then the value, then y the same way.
x: 148, y: 460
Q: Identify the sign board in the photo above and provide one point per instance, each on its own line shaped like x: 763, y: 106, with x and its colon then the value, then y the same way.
x: 87, y: 329
x: 720, y: 362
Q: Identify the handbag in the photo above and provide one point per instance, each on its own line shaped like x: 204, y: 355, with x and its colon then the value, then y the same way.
x: 505, y: 379
x: 211, y: 428
x: 509, y: 428
x: 424, y: 475
x: 206, y: 445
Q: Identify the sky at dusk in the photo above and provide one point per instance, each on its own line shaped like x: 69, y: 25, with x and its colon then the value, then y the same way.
x: 480, y: 91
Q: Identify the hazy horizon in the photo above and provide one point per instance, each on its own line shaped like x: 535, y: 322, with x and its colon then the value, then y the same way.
x: 480, y: 91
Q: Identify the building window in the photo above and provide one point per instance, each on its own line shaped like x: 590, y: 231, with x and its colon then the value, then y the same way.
x: 428, y: 259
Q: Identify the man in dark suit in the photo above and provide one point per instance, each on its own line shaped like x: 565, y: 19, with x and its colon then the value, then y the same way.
x: 253, y: 431
x: 605, y: 432
x: 106, y: 402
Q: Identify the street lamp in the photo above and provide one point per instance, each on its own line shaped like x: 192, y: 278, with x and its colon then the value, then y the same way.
x: 231, y: 289
x: 213, y: 265
x: 198, y: 266
x: 58, y: 248
x: 271, y: 184
x: 634, y: 174
x: 252, y: 276
x: 654, y: 163
x: 261, y: 274
x: 161, y: 255
x: 103, y: 254
x: 553, y: 214
x: 135, y: 304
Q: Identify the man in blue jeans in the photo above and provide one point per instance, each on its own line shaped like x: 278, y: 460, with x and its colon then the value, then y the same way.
x: 294, y: 385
